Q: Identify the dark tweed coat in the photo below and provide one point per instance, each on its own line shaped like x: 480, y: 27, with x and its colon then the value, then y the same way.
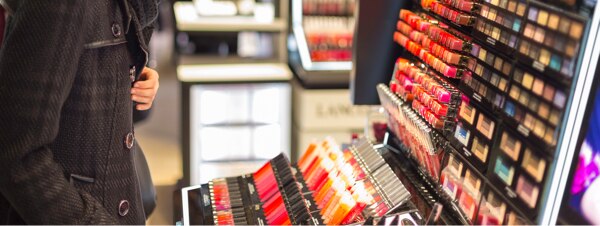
x: 66, y: 133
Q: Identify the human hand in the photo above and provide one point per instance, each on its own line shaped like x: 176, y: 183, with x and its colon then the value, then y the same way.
x: 144, y: 90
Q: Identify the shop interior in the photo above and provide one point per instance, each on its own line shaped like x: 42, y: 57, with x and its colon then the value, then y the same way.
x: 388, y: 112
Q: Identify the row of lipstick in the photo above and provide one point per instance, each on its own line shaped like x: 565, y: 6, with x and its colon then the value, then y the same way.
x: 438, y: 50
x: 351, y: 185
x: 226, y: 200
x: 438, y: 32
x: 414, y: 76
x: 433, y: 45
x: 427, y: 57
x: 328, y: 7
x: 430, y: 99
x: 413, y: 132
x: 283, y: 201
x: 463, y: 5
x: 450, y: 13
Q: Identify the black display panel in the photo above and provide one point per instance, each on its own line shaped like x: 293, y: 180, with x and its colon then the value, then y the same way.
x: 374, y: 49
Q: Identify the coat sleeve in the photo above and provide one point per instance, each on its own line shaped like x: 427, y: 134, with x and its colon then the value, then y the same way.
x: 38, y: 64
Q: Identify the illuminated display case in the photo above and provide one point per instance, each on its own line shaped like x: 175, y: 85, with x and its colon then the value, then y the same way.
x: 320, y: 46
x: 235, y: 84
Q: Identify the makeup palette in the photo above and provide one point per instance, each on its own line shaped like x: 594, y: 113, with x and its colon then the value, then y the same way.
x: 463, y: 185
x: 496, y: 210
x: 490, y: 78
x: 500, y: 22
x: 535, y: 105
x: 551, y: 41
x: 475, y: 134
x: 521, y: 167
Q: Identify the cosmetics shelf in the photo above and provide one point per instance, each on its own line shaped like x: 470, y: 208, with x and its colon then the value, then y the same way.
x: 475, y: 145
x: 321, y: 36
x: 188, y: 20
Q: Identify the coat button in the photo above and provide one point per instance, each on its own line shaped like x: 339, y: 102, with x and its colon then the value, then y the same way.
x: 116, y: 30
x: 129, y: 139
x: 123, y: 208
x: 132, y: 73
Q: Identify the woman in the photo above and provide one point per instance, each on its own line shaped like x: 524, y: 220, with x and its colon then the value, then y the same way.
x: 67, y: 68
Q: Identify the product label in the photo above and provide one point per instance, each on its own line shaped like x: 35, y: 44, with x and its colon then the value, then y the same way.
x: 510, y: 193
x: 491, y: 40
x: 467, y: 152
x: 539, y: 66
x: 251, y: 188
x: 477, y: 97
x: 523, y: 130
x: 329, y: 110
x: 206, y: 200
x: 307, y: 203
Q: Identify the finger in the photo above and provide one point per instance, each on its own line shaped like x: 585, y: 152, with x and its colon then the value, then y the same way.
x: 148, y: 74
x: 147, y: 84
x: 143, y: 107
x: 143, y: 92
x: 140, y: 99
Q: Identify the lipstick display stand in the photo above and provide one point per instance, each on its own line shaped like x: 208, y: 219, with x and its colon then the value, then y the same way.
x: 326, y: 186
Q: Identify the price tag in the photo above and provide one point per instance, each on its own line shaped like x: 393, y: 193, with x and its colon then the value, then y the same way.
x: 251, y: 188
x: 467, y: 152
x: 510, y: 193
x: 491, y: 40
x: 206, y: 200
x: 477, y: 97
x: 523, y: 130
x: 539, y: 66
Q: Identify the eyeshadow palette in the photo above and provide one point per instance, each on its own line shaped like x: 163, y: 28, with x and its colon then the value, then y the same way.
x: 463, y: 185
x: 474, y: 135
x: 489, y: 81
x: 500, y: 22
x: 496, y: 210
x: 551, y: 40
x: 521, y: 167
x: 534, y: 106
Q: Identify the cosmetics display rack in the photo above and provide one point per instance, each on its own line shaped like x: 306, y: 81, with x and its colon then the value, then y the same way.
x: 223, y: 74
x: 476, y: 103
x: 322, y: 31
x: 326, y: 186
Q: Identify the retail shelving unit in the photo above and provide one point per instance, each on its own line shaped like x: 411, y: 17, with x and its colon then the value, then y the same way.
x: 313, y: 23
x: 487, y: 104
x: 231, y: 98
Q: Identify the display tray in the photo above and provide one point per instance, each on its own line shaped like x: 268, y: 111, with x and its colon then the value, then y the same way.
x: 422, y: 186
x: 321, y: 79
